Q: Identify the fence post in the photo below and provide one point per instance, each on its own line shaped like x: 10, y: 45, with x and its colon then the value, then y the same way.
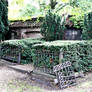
x: 0, y: 52
x: 19, y: 56
x: 60, y: 56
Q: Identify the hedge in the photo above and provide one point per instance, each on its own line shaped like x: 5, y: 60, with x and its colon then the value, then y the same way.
x: 78, y: 52
x: 25, y: 47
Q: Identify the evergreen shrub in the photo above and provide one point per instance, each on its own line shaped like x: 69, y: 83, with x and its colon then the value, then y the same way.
x: 87, y: 32
x: 53, y: 27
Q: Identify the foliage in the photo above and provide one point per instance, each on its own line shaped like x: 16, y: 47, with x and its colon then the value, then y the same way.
x: 53, y: 26
x: 53, y: 4
x: 26, y: 9
x: 3, y: 19
x: 26, y: 46
x: 77, y: 18
x: 80, y: 8
x: 78, y: 52
x: 76, y: 8
x: 87, y: 32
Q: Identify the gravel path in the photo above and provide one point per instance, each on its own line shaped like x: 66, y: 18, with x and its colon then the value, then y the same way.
x: 17, y: 78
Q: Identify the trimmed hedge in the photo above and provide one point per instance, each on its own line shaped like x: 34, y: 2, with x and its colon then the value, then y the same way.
x: 25, y: 47
x: 78, y: 52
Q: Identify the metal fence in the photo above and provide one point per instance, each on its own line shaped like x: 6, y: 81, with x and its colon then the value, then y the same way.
x: 45, y: 60
x: 11, y: 53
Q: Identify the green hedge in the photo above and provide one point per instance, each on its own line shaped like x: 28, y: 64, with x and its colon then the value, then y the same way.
x: 26, y: 46
x: 78, y: 52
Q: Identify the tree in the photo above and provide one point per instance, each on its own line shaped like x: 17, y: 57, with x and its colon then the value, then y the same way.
x: 4, y: 28
x: 53, y: 4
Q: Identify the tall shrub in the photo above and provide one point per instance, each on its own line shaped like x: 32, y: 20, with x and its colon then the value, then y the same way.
x: 3, y: 19
x: 53, y: 27
x: 87, y: 33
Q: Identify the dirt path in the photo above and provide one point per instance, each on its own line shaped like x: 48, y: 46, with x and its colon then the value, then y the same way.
x: 17, y: 78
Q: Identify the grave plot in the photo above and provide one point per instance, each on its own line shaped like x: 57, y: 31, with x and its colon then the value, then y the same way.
x: 11, y: 53
x: 45, y: 60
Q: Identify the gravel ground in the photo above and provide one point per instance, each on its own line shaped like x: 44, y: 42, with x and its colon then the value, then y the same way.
x: 17, y: 78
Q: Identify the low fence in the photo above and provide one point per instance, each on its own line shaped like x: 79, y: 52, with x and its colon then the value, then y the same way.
x: 45, y: 60
x: 11, y: 53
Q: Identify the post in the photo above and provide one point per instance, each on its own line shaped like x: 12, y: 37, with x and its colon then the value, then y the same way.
x: 0, y: 52
x: 19, y: 58
x: 60, y: 56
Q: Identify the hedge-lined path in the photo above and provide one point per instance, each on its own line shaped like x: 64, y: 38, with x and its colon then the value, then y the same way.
x: 17, y: 78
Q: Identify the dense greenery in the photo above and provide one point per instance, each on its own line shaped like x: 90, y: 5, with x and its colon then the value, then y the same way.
x: 80, y: 8
x: 25, y: 48
x: 3, y: 19
x: 76, y: 8
x: 53, y: 26
x: 78, y: 52
x: 26, y: 9
x: 87, y: 32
